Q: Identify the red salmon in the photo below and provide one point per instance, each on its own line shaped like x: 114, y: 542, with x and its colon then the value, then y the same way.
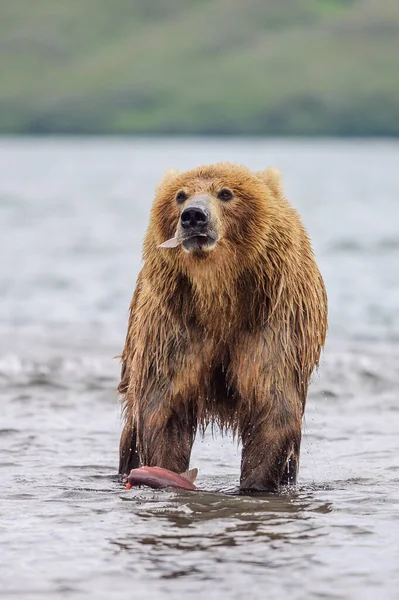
x: 157, y: 477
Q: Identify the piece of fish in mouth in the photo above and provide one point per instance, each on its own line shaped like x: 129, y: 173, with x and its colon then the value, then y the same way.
x: 172, y: 243
x: 177, y: 240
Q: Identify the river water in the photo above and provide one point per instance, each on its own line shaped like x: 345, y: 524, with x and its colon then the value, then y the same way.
x: 72, y: 216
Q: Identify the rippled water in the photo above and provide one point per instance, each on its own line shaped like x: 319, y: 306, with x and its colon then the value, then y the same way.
x: 72, y: 215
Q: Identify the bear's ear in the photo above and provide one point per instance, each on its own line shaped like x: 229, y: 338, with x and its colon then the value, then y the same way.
x: 272, y: 177
x: 168, y: 177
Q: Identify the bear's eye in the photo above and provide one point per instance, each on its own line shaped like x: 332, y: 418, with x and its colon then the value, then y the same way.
x: 181, y: 197
x: 225, y: 194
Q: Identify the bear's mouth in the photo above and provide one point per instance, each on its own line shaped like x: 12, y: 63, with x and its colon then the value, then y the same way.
x: 198, y: 243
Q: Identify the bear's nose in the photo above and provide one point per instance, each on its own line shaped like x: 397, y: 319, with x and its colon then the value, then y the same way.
x: 194, y: 217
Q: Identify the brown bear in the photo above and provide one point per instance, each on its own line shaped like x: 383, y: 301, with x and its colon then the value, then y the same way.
x: 226, y: 325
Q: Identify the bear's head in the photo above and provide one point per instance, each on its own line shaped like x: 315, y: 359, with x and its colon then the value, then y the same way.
x: 219, y: 215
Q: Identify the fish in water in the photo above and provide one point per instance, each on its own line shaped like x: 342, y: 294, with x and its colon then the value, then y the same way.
x: 157, y: 477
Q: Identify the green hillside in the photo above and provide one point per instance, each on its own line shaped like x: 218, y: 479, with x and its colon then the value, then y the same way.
x: 314, y: 67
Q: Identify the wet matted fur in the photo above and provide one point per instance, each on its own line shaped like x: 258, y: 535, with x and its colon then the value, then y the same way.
x: 228, y: 335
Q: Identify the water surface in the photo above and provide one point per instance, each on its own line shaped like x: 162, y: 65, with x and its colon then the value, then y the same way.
x: 73, y: 214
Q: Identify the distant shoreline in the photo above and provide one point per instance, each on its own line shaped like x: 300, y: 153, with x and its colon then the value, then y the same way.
x: 199, y: 136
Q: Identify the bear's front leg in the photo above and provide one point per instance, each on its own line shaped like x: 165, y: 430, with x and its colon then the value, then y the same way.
x: 271, y: 445
x: 272, y: 399
x: 165, y: 438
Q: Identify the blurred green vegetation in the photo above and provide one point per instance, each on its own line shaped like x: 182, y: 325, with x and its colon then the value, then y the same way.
x: 278, y: 67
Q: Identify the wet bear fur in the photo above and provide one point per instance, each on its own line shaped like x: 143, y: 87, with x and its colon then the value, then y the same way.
x: 228, y: 334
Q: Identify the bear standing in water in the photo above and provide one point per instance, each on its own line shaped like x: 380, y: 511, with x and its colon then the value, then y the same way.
x: 226, y: 325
